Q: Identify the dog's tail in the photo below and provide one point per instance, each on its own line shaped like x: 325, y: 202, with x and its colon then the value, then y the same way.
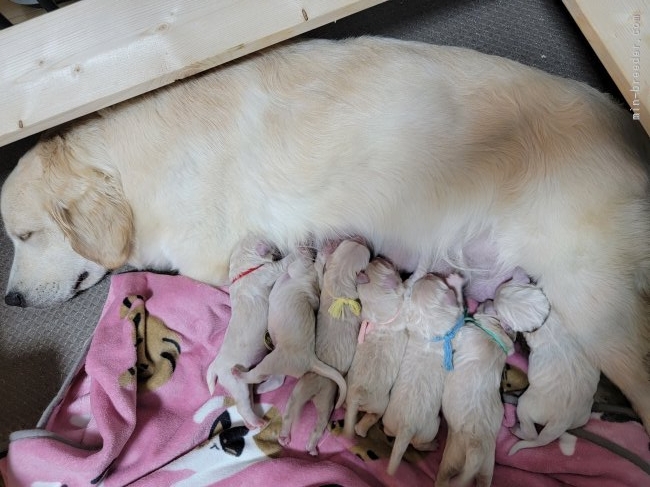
x: 552, y: 431
x: 402, y: 441
x: 321, y: 368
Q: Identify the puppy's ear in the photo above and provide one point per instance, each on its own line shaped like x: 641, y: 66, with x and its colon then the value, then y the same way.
x: 94, y: 215
x: 362, y: 278
x: 391, y: 282
x: 262, y: 248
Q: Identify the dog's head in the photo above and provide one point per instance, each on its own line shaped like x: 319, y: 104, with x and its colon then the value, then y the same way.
x: 69, y: 222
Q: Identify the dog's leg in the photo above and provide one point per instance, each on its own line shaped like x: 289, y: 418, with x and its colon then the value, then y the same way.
x: 453, y: 459
x: 613, y: 328
x: 485, y: 474
x: 324, y: 402
x: 365, y: 423
x: 301, y: 393
x: 626, y: 359
x: 241, y: 393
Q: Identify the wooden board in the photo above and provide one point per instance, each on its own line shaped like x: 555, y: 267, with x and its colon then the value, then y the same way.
x: 95, y: 53
x: 619, y: 33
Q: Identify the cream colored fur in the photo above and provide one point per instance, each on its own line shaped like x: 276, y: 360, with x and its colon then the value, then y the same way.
x: 336, y: 337
x: 379, y: 353
x: 243, y: 343
x: 421, y: 149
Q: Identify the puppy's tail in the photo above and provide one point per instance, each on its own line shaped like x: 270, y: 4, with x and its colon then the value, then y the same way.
x: 402, y: 441
x: 321, y: 368
x: 550, y: 432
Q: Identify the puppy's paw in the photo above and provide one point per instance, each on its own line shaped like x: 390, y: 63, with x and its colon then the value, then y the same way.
x: 522, y: 434
x: 284, y: 440
x: 237, y: 371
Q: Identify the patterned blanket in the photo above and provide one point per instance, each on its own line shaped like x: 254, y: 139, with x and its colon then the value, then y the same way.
x: 138, y: 412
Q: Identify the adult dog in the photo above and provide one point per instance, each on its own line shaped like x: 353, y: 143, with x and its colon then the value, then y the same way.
x: 439, y: 156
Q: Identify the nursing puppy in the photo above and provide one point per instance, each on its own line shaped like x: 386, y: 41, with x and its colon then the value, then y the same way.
x: 337, y: 329
x: 562, y: 379
x: 412, y: 414
x: 380, y: 348
x: 563, y: 382
x: 471, y: 401
x: 432, y: 153
x: 254, y: 268
x: 293, y: 302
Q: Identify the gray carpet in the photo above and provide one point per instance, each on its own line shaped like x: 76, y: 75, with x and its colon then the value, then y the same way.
x: 38, y: 348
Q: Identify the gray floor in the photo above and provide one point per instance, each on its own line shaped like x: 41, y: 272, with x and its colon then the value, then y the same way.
x: 38, y: 348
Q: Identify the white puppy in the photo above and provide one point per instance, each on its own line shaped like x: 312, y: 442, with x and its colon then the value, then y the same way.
x: 380, y: 348
x: 411, y: 145
x: 337, y: 329
x: 562, y: 379
x: 435, y: 315
x: 471, y: 402
x: 254, y: 268
x: 293, y: 302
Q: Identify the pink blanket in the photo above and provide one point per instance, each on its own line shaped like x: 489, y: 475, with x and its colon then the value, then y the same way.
x: 139, y: 413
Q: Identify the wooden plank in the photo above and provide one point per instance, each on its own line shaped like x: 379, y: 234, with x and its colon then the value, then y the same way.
x: 619, y: 34
x: 95, y: 53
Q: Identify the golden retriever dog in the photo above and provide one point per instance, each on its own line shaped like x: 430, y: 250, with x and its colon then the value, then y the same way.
x: 434, y: 154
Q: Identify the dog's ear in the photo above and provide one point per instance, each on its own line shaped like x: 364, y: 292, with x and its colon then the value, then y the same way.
x: 88, y: 204
x: 96, y: 219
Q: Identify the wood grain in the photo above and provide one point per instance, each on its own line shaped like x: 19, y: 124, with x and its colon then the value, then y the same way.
x: 95, y: 53
x: 619, y: 35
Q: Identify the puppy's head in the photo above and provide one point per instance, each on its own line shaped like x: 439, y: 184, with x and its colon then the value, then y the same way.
x: 521, y: 306
x: 345, y: 263
x: 252, y: 251
x: 432, y: 296
x: 68, y: 220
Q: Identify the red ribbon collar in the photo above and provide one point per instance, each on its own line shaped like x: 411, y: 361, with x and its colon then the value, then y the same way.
x: 245, y: 273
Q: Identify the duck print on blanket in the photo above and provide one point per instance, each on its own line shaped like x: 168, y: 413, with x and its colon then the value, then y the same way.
x: 157, y: 346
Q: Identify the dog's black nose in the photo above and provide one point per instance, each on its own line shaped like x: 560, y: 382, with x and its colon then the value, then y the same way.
x: 15, y: 299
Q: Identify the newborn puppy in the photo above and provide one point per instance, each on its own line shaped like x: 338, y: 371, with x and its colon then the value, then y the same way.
x: 471, y: 401
x: 563, y: 382
x: 337, y: 329
x: 412, y: 415
x: 253, y: 270
x: 382, y: 341
x: 292, y: 325
x: 562, y: 379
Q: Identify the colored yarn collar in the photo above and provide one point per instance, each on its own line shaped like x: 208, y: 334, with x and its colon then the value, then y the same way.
x: 367, y: 326
x: 245, y: 273
x: 448, y: 337
x: 495, y: 338
x: 337, y: 309
x: 451, y: 334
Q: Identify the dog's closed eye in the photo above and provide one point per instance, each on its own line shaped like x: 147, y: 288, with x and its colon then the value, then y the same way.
x: 24, y: 236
